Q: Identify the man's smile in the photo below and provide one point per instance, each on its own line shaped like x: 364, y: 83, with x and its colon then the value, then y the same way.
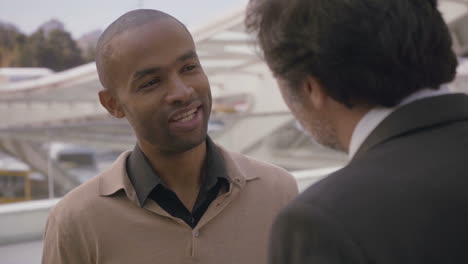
x: 188, y: 118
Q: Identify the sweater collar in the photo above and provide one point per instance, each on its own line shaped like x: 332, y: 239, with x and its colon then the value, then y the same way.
x: 116, y: 178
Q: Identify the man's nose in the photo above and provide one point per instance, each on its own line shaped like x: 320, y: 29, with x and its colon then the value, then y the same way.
x: 179, y: 92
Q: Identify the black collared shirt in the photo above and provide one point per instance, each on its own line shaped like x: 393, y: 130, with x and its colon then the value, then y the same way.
x: 148, y: 184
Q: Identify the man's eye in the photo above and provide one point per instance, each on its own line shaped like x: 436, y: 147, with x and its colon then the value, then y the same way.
x: 190, y: 68
x: 150, y: 83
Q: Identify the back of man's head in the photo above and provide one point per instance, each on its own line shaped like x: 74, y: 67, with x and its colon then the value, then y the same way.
x: 373, y: 52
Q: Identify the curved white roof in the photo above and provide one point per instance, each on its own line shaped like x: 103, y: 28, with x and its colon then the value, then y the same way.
x: 227, y: 54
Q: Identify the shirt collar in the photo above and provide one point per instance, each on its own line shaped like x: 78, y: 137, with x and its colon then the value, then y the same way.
x: 376, y: 115
x: 239, y: 170
x: 115, y: 178
x: 145, y: 179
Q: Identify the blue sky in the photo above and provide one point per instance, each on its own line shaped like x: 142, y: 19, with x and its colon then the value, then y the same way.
x: 81, y: 16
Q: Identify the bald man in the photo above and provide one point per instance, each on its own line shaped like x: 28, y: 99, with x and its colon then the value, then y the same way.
x: 177, y: 197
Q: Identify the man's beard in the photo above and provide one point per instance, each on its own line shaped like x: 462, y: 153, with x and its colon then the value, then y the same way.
x: 324, y: 133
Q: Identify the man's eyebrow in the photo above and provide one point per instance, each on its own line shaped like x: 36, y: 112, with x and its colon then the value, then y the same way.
x: 188, y: 55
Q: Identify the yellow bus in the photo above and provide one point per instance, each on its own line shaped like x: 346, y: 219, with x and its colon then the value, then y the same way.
x: 15, y: 186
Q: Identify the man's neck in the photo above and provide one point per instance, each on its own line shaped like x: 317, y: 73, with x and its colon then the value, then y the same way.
x: 347, y: 122
x: 181, y: 172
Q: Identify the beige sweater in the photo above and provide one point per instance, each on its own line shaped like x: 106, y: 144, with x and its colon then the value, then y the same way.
x: 101, y: 221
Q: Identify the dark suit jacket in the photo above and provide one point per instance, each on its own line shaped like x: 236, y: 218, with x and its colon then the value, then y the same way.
x: 402, y: 199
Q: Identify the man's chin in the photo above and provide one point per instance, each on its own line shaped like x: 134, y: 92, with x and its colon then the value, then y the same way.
x: 187, y: 144
x: 336, y: 147
x: 331, y: 143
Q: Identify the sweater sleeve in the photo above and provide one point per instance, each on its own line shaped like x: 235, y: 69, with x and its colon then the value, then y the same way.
x: 61, y: 246
x: 288, y: 187
x: 291, y: 188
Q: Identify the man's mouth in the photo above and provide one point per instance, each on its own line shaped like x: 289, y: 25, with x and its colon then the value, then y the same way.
x: 187, y: 116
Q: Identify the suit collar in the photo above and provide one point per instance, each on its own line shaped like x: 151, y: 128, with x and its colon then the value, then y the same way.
x: 415, y: 116
x: 377, y: 114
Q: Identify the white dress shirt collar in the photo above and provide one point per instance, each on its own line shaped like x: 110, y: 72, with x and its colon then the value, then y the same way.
x: 376, y: 115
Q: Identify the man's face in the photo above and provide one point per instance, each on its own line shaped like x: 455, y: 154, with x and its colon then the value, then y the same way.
x: 318, y: 127
x: 160, y: 86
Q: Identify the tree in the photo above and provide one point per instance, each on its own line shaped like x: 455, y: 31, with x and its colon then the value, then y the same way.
x: 32, y: 48
x: 10, y: 44
x: 55, y: 50
x: 61, y: 51
x: 90, y: 53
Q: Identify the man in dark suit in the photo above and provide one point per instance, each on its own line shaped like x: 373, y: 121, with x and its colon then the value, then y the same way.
x: 368, y: 77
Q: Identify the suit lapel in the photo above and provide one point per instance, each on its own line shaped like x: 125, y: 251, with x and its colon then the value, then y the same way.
x: 418, y: 115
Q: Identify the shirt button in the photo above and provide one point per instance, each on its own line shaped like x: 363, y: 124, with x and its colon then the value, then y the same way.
x: 197, y: 233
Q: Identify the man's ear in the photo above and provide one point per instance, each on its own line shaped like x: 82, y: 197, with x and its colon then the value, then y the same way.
x: 314, y: 90
x: 111, y: 103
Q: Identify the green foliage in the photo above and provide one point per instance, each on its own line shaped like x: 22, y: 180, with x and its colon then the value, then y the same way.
x: 10, y: 45
x: 57, y: 51
x: 90, y: 53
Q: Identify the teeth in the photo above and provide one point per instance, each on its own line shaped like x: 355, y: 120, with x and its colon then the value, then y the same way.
x: 190, y: 117
x: 185, y: 117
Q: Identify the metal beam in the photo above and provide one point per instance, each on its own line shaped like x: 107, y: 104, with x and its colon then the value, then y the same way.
x: 227, y: 56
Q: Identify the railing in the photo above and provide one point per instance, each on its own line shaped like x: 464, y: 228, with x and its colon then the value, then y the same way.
x: 20, y: 222
x: 15, y: 186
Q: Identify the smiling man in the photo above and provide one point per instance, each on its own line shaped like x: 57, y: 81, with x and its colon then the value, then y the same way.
x: 177, y: 197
